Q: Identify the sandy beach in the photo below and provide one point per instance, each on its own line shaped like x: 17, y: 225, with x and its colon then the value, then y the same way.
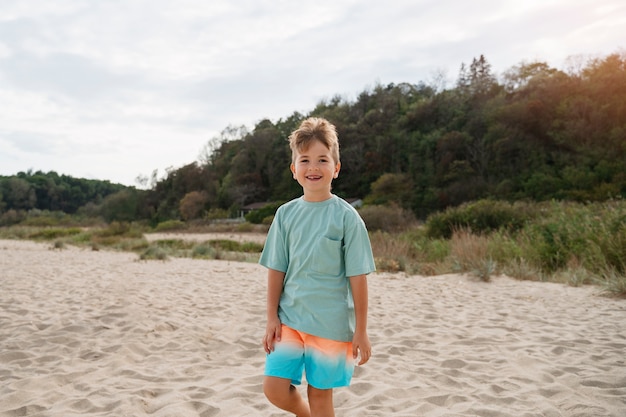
x: 100, y: 333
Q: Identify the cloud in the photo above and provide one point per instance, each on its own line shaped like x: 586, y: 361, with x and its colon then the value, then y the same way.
x: 117, y: 88
x: 70, y: 75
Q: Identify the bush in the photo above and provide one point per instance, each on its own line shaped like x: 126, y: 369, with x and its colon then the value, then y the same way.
x: 120, y: 229
x: 154, y: 252
x: 121, y: 206
x: 257, y: 216
x: 204, y: 251
x: 233, y: 246
x: 12, y: 217
x: 479, y: 217
x: 41, y: 221
x: 591, y: 235
x: 216, y: 214
x: 54, y: 233
x: 169, y: 225
x: 391, y: 254
x: 387, y: 218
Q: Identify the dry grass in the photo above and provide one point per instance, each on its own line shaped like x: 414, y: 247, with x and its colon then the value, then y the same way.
x: 573, y: 244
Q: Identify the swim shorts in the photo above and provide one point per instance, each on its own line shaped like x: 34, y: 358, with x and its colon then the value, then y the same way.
x: 326, y: 363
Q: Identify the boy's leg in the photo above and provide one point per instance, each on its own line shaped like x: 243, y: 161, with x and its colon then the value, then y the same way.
x: 282, y: 394
x: 321, y: 402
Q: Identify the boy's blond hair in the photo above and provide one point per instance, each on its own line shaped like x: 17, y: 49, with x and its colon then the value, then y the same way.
x: 311, y: 129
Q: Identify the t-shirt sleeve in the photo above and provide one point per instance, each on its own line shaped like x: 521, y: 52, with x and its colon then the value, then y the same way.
x: 274, y: 255
x: 358, y: 255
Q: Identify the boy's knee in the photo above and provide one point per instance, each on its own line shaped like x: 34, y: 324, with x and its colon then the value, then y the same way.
x: 275, y: 390
x: 268, y: 389
x: 321, y: 401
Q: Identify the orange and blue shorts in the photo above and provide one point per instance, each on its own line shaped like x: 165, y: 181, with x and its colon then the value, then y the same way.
x: 326, y: 363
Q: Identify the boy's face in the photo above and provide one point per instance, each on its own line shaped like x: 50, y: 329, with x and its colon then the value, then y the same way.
x: 315, y: 169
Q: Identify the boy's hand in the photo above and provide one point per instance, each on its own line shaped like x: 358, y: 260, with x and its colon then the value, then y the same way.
x: 272, y: 335
x: 361, y: 344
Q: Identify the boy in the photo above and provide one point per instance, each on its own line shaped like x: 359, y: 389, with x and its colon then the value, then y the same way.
x: 318, y: 254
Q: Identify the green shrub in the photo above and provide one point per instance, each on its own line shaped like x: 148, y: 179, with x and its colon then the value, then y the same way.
x: 590, y: 235
x: 251, y: 247
x: 54, y: 233
x: 84, y: 237
x: 169, y: 225
x: 502, y: 247
x: 257, y: 216
x: 41, y: 221
x: 174, y: 244
x: 423, y: 248
x: 546, y: 245
x: 114, y: 229
x: 216, y: 214
x: 129, y: 245
x: 204, y: 251
x: 479, y: 217
x: 245, y: 227
x: 233, y: 246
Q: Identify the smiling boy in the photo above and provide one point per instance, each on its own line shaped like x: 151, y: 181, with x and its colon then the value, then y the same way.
x: 318, y: 254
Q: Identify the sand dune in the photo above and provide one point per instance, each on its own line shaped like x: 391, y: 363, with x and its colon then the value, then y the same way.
x: 86, y: 333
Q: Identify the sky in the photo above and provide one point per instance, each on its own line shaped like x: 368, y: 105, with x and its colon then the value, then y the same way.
x: 116, y: 89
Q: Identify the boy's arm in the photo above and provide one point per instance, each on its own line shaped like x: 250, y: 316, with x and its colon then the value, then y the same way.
x: 274, y: 290
x: 360, y: 342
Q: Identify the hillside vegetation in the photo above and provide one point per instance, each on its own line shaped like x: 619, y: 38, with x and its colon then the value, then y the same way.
x: 527, y: 169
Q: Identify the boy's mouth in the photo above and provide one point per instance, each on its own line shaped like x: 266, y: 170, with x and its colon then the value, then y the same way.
x: 313, y: 177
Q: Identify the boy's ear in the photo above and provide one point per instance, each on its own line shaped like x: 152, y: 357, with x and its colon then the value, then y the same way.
x: 337, y: 169
x: 292, y: 167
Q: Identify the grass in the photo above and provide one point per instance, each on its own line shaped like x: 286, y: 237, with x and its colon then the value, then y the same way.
x: 570, y: 243
x: 612, y: 284
x: 154, y: 253
x: 129, y: 237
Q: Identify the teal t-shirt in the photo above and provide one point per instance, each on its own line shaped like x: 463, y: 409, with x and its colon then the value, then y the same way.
x: 318, y: 245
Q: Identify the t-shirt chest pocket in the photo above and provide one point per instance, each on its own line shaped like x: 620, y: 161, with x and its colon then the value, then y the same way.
x: 327, y: 256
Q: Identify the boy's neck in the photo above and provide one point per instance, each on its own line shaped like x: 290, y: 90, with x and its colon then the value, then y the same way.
x: 317, y: 197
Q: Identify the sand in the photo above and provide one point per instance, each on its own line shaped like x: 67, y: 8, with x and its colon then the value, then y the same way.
x: 99, y: 333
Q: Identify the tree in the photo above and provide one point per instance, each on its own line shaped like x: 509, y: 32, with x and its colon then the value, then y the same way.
x: 520, y: 76
x: 541, y: 133
x: 477, y: 80
x: 391, y: 188
x: 121, y: 206
x: 192, y: 206
x: 210, y: 151
x: 19, y: 194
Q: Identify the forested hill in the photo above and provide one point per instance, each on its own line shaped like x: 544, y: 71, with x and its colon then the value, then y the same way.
x: 535, y: 132
x: 52, y: 192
